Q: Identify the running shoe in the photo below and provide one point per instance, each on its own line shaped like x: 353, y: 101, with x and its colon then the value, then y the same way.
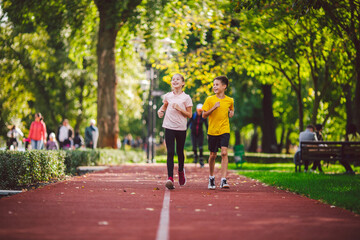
x: 182, y: 177
x: 224, y: 184
x: 201, y: 162
x: 211, y: 185
x: 170, y: 183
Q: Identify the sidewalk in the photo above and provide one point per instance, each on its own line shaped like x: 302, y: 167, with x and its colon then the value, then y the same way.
x: 126, y: 202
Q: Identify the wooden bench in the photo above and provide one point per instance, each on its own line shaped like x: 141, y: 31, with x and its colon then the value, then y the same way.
x: 329, y: 151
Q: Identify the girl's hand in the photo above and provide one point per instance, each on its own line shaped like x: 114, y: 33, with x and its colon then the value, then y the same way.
x: 176, y: 106
x: 166, y: 103
x: 160, y: 113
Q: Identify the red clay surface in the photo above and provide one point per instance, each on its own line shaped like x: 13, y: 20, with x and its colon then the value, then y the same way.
x: 125, y: 203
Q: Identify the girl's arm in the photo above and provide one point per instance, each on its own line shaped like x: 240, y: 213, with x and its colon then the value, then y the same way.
x: 207, y: 113
x: 162, y: 109
x: 186, y: 113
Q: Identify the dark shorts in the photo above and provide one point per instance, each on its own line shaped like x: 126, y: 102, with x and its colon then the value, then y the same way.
x: 216, y: 142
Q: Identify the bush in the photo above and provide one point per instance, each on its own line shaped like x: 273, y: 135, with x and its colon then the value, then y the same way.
x: 20, y: 169
x: 30, y: 167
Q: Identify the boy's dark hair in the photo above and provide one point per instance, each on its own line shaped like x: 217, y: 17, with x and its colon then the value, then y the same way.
x: 223, y: 79
x: 311, y: 126
x: 318, y: 127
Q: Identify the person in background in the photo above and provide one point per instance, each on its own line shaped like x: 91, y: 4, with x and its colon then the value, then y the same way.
x: 37, y: 133
x: 319, y: 136
x: 65, y: 135
x: 91, y: 135
x: 13, y: 136
x: 52, y: 143
x: 78, y: 140
x: 197, y: 134
x: 307, y: 135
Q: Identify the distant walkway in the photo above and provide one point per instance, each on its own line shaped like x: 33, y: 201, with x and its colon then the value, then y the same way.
x: 126, y: 202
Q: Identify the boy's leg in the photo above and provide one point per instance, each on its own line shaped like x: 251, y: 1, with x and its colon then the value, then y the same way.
x: 212, y: 158
x: 224, y: 161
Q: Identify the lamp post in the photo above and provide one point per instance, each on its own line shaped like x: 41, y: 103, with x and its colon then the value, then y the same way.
x: 153, y: 92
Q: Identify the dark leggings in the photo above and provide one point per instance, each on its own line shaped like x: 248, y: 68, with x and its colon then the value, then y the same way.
x: 170, y: 137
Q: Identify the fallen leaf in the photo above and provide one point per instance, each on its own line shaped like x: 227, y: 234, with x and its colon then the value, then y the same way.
x: 103, y: 223
x: 156, y: 188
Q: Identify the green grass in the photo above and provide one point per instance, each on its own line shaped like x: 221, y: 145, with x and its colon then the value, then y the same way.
x: 332, y: 187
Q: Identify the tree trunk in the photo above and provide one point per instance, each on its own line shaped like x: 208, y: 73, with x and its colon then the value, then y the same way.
x: 288, y: 142
x: 237, y: 137
x: 269, y: 143
x: 357, y: 91
x: 107, y: 112
x: 281, y: 143
x: 254, y: 141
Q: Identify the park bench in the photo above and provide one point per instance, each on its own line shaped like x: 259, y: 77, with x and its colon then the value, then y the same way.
x: 329, y: 151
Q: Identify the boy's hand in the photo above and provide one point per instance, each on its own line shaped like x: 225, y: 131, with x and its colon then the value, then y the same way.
x: 231, y: 113
x: 216, y: 105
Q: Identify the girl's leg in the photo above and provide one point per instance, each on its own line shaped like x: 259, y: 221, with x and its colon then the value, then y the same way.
x: 33, y: 144
x: 170, y: 147
x: 180, y: 143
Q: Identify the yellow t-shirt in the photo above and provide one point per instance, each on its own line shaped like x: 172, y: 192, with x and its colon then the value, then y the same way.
x: 219, y: 118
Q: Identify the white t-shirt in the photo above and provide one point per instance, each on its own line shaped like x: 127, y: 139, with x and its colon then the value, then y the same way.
x: 173, y: 119
x: 63, y: 133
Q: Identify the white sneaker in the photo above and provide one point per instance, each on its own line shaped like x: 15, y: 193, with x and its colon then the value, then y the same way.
x: 224, y: 184
x: 211, y: 185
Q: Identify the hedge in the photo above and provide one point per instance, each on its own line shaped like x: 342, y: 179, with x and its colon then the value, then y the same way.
x: 20, y: 169
x: 30, y: 167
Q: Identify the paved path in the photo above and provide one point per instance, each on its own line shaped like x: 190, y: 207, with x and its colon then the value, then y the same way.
x: 129, y: 202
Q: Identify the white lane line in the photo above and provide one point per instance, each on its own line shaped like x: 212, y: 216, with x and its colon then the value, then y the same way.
x: 163, y: 229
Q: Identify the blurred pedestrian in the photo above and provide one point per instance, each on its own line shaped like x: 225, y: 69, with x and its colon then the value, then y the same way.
x: 13, y: 137
x: 78, y: 140
x: 307, y: 135
x: 196, y: 123
x: 91, y: 135
x: 52, y: 143
x: 320, y: 137
x: 37, y: 133
x: 65, y: 135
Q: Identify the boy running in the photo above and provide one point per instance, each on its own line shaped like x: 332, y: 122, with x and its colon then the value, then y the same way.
x: 218, y: 108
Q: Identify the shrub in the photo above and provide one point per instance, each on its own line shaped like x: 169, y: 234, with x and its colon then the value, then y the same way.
x: 30, y: 167
x: 19, y: 169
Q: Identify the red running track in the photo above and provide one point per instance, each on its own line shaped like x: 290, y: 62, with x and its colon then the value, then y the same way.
x: 126, y: 202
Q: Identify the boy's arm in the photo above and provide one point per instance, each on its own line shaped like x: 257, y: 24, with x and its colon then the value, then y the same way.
x: 231, y: 110
x: 231, y: 113
x: 162, y: 109
x: 207, y: 113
